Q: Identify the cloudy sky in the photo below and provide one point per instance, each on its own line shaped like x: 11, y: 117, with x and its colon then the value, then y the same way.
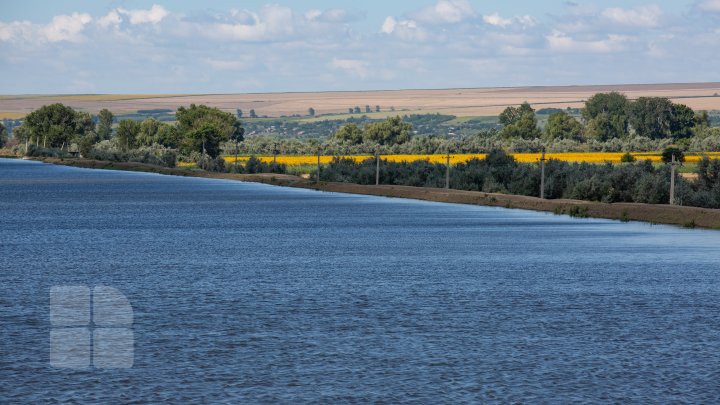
x: 163, y: 46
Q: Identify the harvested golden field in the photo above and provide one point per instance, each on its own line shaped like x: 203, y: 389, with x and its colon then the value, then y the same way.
x: 599, y: 157
x: 459, y: 102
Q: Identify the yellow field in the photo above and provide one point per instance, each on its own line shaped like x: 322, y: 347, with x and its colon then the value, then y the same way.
x: 461, y: 158
x: 11, y: 115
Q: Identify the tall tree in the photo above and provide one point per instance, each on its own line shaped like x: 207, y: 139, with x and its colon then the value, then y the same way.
x: 682, y: 122
x: 126, y: 134
x: 104, y: 125
x: 311, y: 112
x: 56, y: 124
x: 3, y: 135
x: 148, y: 132
x: 563, y: 126
x: 392, y: 131
x: 524, y: 127
x: 204, y: 128
x: 237, y: 136
x: 610, y: 111
x: 512, y: 115
x: 652, y: 117
x: 349, y: 133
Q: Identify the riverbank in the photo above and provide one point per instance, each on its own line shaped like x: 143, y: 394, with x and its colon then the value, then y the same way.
x: 654, y: 213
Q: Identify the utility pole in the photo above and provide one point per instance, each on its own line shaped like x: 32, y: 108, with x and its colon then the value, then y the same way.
x: 542, y: 175
x: 673, y: 163
x: 318, y: 167
x: 377, y: 166
x: 447, y: 171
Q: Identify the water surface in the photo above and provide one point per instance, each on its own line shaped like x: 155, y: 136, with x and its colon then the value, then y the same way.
x: 252, y: 293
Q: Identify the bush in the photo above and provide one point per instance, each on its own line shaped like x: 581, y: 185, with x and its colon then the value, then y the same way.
x: 212, y: 164
x: 627, y: 158
x: 158, y: 156
x: 37, y: 151
x: 671, y: 151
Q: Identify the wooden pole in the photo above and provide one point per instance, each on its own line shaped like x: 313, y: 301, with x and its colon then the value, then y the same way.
x: 447, y: 171
x: 377, y: 167
x: 542, y: 175
x: 672, y: 181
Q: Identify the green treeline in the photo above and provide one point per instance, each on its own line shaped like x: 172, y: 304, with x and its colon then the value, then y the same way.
x: 640, y: 182
x: 200, y: 133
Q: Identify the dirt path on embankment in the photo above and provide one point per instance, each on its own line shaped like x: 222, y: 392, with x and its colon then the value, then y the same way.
x: 654, y: 213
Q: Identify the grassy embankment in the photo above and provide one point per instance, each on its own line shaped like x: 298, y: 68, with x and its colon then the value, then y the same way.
x: 654, y: 213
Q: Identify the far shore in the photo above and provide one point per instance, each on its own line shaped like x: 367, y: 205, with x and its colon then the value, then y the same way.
x: 689, y: 217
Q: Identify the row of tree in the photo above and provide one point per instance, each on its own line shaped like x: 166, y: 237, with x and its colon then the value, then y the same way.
x: 608, y: 116
x: 640, y: 182
x: 198, y: 129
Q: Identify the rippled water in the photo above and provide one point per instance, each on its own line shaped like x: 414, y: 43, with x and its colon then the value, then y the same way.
x: 251, y: 293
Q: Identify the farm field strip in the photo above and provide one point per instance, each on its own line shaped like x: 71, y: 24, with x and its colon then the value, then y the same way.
x: 600, y: 157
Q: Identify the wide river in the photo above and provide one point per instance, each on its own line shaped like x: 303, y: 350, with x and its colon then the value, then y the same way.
x: 246, y: 293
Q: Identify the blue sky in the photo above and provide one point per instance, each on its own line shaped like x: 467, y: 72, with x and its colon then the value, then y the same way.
x: 95, y: 46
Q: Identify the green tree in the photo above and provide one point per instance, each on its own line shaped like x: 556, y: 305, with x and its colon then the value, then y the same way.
x: 104, y: 126
x: 652, y: 117
x: 311, y: 112
x: 524, y: 127
x: 671, y: 151
x: 563, y: 126
x: 377, y: 108
x: 168, y: 136
x: 607, y: 115
x: 204, y: 128
x: 512, y: 115
x: 349, y: 133
x: 3, y: 135
x: 392, y: 131
x: 237, y: 136
x: 253, y: 114
x: 605, y: 127
x: 126, y: 134
x: 702, y: 119
x: 56, y: 124
x: 148, y: 133
x: 682, y: 121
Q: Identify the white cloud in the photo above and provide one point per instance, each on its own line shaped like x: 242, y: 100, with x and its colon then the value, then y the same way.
x: 271, y: 23
x: 446, y: 11
x: 16, y: 30
x: 355, y: 67
x: 221, y: 64
x: 110, y: 19
x: 334, y: 15
x: 642, y: 17
x: 709, y: 5
x: 154, y: 15
x: 496, y: 20
x: 559, y: 42
x: 388, y: 25
x: 67, y: 27
x: 406, y: 30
